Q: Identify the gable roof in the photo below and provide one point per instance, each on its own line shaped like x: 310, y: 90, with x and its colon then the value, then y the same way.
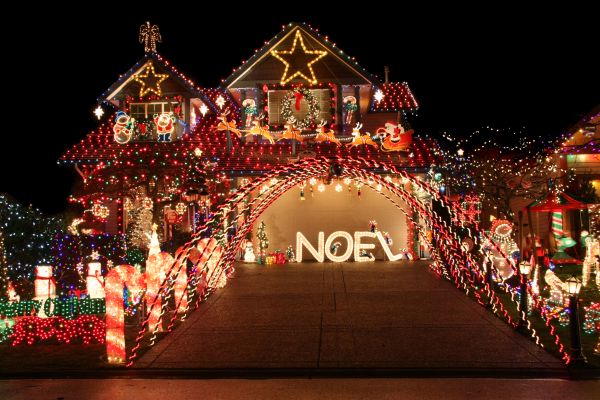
x: 342, y: 68
x: 163, y: 65
x: 397, y: 96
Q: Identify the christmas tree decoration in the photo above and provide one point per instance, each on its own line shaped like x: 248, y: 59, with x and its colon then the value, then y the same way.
x: 295, y: 65
x: 149, y: 80
x: 149, y: 35
x: 263, y: 242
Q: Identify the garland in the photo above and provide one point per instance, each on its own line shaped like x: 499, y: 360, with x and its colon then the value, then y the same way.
x: 297, y: 94
x: 67, y: 307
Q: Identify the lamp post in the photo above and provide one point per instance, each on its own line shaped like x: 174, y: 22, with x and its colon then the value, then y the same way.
x: 573, y: 287
x: 524, y: 270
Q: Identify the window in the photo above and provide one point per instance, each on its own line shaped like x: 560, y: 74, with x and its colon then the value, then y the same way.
x: 146, y: 111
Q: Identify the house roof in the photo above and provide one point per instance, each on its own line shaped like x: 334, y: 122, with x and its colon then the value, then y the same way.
x: 335, y: 57
x: 164, y: 65
x: 246, y: 158
x: 397, y: 96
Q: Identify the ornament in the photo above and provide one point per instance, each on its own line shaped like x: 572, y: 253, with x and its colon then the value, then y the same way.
x: 288, y: 57
x: 379, y: 95
x: 180, y: 208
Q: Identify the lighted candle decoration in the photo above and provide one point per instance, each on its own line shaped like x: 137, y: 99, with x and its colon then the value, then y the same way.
x: 116, y: 279
x: 94, y: 280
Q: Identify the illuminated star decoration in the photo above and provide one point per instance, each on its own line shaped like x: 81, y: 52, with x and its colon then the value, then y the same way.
x: 220, y: 101
x: 379, y: 95
x: 203, y: 109
x: 150, y: 81
x: 95, y: 255
x: 460, y: 152
x: 297, y: 70
x: 98, y: 112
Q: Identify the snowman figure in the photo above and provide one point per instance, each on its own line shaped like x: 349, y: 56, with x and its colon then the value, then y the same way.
x: 394, y: 137
x: 249, y: 255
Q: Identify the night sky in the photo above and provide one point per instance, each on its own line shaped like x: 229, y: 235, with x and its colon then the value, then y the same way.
x: 507, y: 68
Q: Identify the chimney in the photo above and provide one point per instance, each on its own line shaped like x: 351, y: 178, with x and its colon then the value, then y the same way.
x: 386, y: 74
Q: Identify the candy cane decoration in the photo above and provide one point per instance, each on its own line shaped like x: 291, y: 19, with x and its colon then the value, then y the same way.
x: 157, y: 266
x: 116, y: 280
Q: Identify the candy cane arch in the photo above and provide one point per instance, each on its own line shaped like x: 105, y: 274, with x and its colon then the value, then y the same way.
x: 209, y: 255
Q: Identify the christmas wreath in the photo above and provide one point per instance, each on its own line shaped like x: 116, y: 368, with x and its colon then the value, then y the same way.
x: 297, y: 95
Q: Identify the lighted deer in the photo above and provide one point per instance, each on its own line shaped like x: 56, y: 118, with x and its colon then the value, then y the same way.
x: 258, y: 129
x: 225, y: 125
x: 291, y: 132
x: 323, y: 135
x: 358, y: 139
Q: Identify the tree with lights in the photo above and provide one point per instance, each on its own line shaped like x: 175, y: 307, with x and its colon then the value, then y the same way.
x: 4, y: 281
x: 500, y: 174
x: 263, y: 241
x: 28, y: 237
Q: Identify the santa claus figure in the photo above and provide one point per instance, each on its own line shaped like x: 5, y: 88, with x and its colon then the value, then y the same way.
x: 164, y: 126
x: 394, y: 137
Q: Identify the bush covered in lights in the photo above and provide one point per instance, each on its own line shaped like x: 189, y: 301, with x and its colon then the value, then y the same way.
x: 28, y: 237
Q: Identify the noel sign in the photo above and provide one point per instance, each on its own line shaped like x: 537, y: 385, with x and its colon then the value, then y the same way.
x: 355, y: 247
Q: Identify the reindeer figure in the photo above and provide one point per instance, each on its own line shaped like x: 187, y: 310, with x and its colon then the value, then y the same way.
x: 225, y: 125
x: 258, y: 129
x: 291, y: 132
x: 358, y: 139
x: 326, y: 136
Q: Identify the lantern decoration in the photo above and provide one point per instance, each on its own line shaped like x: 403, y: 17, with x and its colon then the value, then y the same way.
x: 147, y: 203
x: 180, y: 208
x: 116, y: 279
x: 94, y: 280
